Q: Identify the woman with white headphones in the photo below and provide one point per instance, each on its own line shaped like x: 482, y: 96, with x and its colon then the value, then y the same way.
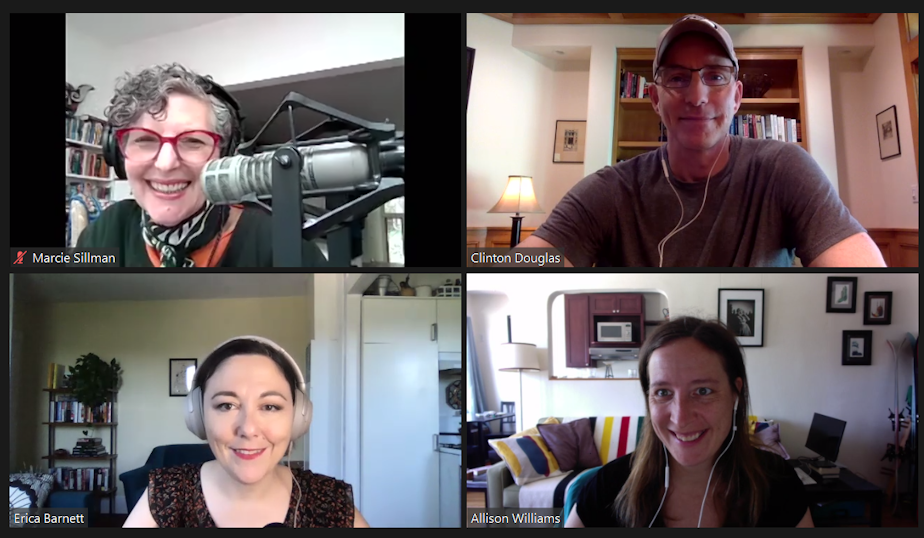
x: 249, y: 402
x: 695, y: 465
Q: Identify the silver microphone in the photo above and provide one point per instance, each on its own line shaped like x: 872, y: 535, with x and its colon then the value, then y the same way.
x: 239, y: 178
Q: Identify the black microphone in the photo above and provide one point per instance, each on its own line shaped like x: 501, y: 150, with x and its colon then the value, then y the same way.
x: 274, y: 525
x: 338, y: 165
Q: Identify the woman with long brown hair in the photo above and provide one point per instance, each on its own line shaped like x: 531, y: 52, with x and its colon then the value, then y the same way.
x: 695, y: 465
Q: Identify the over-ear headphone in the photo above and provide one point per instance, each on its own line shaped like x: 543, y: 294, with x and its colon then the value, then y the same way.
x: 303, y: 408
x: 113, y: 155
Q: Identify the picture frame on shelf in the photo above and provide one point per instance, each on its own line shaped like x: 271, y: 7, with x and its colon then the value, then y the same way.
x: 182, y: 372
x: 841, y: 295
x: 857, y: 348
x: 742, y: 311
x: 877, y: 308
x: 570, y: 140
x: 887, y: 132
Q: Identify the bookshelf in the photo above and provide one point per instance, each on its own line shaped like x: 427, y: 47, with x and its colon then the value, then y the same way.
x: 636, y: 126
x: 908, y: 34
x: 85, y: 169
x: 57, y: 418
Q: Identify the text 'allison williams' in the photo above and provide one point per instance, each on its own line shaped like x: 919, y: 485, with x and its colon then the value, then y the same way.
x: 528, y: 518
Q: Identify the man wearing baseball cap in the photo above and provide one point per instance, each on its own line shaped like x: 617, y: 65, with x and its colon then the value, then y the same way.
x: 705, y: 198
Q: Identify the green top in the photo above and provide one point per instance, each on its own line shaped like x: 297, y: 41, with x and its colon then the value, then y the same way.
x: 250, y: 245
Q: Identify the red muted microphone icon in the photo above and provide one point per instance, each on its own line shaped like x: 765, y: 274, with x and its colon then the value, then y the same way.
x: 19, y: 256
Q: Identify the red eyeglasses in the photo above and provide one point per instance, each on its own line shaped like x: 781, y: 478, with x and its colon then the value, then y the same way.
x: 194, y: 147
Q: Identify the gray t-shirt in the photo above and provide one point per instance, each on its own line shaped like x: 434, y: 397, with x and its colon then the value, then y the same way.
x: 770, y: 203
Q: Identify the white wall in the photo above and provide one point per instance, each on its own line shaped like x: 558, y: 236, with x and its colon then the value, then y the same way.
x: 516, y: 98
x: 878, y: 192
x: 512, y: 88
x: 796, y: 373
x: 86, y: 61
x: 143, y: 336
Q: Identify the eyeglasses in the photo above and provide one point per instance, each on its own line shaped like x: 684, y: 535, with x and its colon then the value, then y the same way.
x: 680, y: 77
x: 193, y: 147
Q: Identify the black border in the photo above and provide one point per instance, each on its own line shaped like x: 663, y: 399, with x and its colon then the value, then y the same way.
x: 470, y: 58
x: 763, y: 308
x: 867, y: 337
x: 887, y: 320
x: 853, y: 294
x: 170, y: 376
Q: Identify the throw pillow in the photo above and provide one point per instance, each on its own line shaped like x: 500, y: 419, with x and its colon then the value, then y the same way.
x: 769, y: 437
x: 528, y: 458
x: 572, y: 444
x: 616, y: 436
x: 28, y: 490
x: 535, y: 430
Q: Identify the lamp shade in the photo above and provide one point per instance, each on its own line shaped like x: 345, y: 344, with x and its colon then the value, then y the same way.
x: 518, y: 197
x: 516, y: 356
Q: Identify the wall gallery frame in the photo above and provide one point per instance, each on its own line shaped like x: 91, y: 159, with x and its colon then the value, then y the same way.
x: 887, y: 129
x: 742, y: 311
x: 842, y: 295
x: 570, y: 138
x: 857, y: 348
x: 182, y: 372
x: 877, y: 308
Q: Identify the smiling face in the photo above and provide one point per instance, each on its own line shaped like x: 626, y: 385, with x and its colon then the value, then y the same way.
x: 248, y: 413
x: 697, y: 117
x: 183, y: 113
x: 691, y: 402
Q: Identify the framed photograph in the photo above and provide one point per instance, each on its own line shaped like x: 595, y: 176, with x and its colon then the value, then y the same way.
x: 842, y: 294
x: 471, y: 63
x: 182, y: 372
x: 877, y: 308
x: 887, y: 127
x: 570, y: 137
x: 857, y: 348
x: 742, y: 311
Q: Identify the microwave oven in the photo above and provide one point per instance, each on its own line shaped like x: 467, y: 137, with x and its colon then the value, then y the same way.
x: 614, y: 331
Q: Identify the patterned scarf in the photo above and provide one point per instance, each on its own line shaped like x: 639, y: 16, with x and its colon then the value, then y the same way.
x: 176, y: 243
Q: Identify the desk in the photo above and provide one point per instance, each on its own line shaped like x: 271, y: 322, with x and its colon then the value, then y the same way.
x: 482, y: 441
x: 847, y: 487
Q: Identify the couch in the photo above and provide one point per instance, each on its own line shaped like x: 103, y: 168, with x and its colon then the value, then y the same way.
x: 136, y: 480
x: 614, y: 437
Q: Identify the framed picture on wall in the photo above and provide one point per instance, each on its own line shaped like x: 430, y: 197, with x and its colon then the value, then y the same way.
x: 842, y: 295
x: 742, y: 311
x: 182, y: 372
x: 570, y: 138
x: 887, y: 129
x: 857, y: 348
x: 470, y: 53
x: 877, y: 308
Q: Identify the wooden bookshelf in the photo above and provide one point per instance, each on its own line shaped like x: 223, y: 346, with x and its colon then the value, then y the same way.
x: 636, y: 124
x: 908, y: 33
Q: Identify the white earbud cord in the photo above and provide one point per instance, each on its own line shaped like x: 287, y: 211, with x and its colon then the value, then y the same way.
x: 667, y: 472
x: 676, y: 231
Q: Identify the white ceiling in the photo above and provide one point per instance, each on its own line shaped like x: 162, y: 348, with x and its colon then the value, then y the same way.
x: 373, y: 95
x: 122, y: 28
x: 72, y: 288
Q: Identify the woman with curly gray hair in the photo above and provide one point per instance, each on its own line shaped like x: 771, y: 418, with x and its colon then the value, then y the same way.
x: 167, y: 122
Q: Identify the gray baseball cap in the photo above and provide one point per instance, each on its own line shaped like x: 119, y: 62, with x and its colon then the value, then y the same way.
x: 693, y: 23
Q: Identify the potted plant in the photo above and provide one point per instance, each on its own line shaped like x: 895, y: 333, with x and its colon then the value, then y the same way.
x: 92, y: 380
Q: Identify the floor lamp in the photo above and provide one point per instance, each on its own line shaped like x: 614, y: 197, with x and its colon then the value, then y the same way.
x: 519, y: 197
x: 516, y: 356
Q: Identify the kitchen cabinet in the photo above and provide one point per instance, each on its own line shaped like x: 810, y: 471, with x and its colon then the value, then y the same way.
x: 451, y: 488
x: 583, y: 311
x: 577, y: 331
x: 449, y: 325
x: 615, y: 303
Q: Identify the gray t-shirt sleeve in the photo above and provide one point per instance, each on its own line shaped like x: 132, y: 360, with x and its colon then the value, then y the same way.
x: 816, y: 217
x: 582, y: 223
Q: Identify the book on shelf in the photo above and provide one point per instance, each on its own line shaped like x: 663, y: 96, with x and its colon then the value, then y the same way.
x: 56, y: 376
x: 632, y: 85
x: 70, y: 410
x: 768, y: 126
x: 83, y: 162
x: 81, y: 478
x: 85, y: 128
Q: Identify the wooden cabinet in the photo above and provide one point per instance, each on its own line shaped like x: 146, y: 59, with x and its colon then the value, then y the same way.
x: 636, y: 126
x: 577, y: 331
x: 585, y: 310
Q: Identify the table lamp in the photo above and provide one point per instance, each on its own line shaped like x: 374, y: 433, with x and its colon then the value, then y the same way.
x: 519, y: 197
x: 516, y: 357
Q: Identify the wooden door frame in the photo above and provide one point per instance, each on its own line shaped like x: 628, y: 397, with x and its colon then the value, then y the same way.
x: 909, y: 55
